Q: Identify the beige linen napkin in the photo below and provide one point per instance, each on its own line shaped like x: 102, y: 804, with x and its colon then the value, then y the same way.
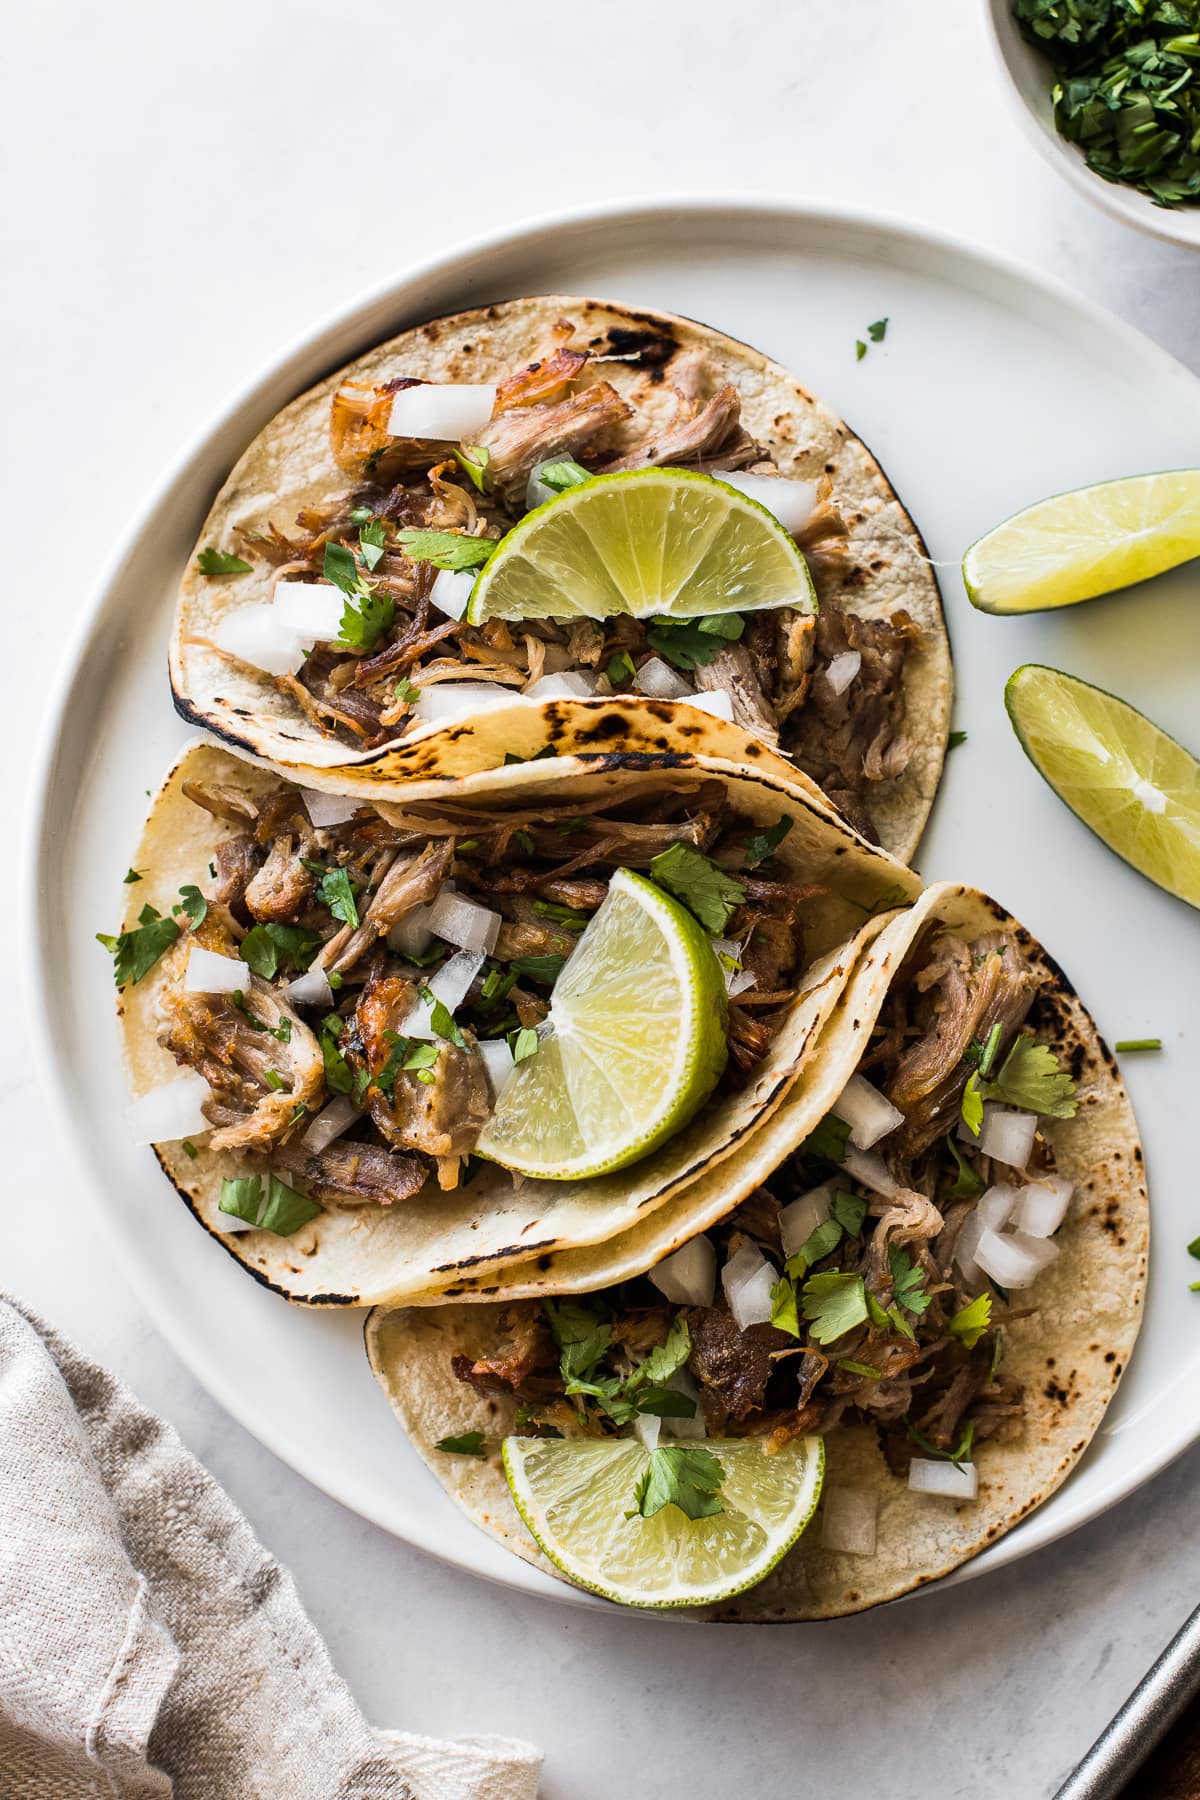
x: 149, y: 1645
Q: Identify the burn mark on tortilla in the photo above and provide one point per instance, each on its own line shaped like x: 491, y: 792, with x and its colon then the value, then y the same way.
x: 652, y: 347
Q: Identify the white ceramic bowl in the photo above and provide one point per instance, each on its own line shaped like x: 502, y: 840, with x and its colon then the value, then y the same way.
x: 1028, y: 77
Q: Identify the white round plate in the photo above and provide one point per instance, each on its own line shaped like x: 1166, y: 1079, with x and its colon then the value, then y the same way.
x: 991, y: 389
x: 1028, y: 77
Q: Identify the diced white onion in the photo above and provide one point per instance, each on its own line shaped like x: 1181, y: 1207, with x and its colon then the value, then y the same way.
x: 209, y: 973
x: 869, y: 1169
x: 991, y: 1213
x: 800, y: 1218
x: 1043, y: 1205
x: 447, y: 700
x: 792, y: 502
x: 536, y: 491
x: 1013, y: 1259
x: 452, y: 412
x: 747, y: 1279
x: 738, y: 981
x: 312, y: 609
x: 717, y: 702
x: 450, y: 591
x: 172, y: 1111
x: 689, y: 1275
x: 330, y: 1122
x: 849, y: 1518
x: 450, y: 986
x: 413, y: 934
x: 464, y: 922
x: 843, y: 669
x: 497, y: 1060
x: 949, y: 1480
x: 647, y: 1427
x: 257, y: 635
x: 572, y: 685
x: 866, y: 1111
x: 328, y: 809
x: 681, y: 1383
x: 1008, y: 1136
x: 660, y: 681
x: 310, y: 989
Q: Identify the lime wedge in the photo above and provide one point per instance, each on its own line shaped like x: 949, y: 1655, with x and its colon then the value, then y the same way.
x: 573, y: 1494
x: 1092, y: 541
x: 1134, y: 786
x: 633, y: 1046
x: 647, y: 541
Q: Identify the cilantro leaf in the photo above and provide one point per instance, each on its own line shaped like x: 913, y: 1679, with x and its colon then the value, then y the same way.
x: 468, y: 1443
x: 219, y: 562
x: 1032, y: 1078
x: 581, y: 1333
x: 131, y: 875
x: 967, y: 1185
x: 546, y: 969
x: 878, y: 331
x: 849, y: 1210
x: 827, y: 1140
x: 662, y: 1362
x: 285, y: 1210
x: 441, y: 1019
x: 821, y: 1240
x: 365, y: 621
x: 620, y: 667
x: 473, y: 460
x: 135, y: 952
x: 559, y: 476
x: 833, y: 1304
x: 704, y: 888
x: 372, y: 542
x: 404, y: 690
x: 523, y: 1043
x: 340, y: 567
x: 687, y: 1478
x: 972, y: 1105
x: 860, y: 349
x: 567, y: 916
x: 955, y: 739
x: 664, y: 1402
x: 971, y: 1321
x: 958, y: 1456
x: 857, y: 1368
x: 339, y: 1078
x: 267, y: 947
x: 908, y: 1281
x: 191, y: 903
x: 446, y: 549
x: 693, y: 643
x: 784, y: 1308
x: 337, y: 894
x: 764, y: 844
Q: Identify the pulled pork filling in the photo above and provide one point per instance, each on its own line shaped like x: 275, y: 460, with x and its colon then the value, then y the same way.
x: 880, y: 1315
x: 774, y: 665
x: 347, y: 905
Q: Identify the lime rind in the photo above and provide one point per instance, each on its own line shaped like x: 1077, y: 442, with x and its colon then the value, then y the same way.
x: 645, y: 542
x: 633, y: 1046
x: 573, y: 1494
x: 1134, y: 786
x: 1085, y: 542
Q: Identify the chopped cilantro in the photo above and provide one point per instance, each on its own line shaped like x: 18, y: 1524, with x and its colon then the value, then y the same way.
x: 135, y: 952
x: 689, y: 1478
x: 372, y: 542
x: 266, y: 948
x: 824, y: 1238
x: 784, y: 1306
x: 581, y: 1333
x: 337, y: 894
x: 566, y: 916
x: 441, y: 1019
x: 189, y: 1149
x: 473, y: 460
x: 546, y: 969
x: 693, y: 643
x: 1032, y: 1078
x: 361, y: 515
x: 662, y: 1362
x: 620, y: 667
x: 857, y: 1368
x: 957, y: 1456
x: 849, y: 1210
x: 971, y: 1321
x: 219, y: 562
x: 1194, y: 1248
x: 365, y: 621
x: 468, y: 1443
x: 834, y: 1304
x: 524, y: 841
x: 967, y: 1185
x: 285, y: 1210
x: 972, y: 1105
x: 908, y: 1281
x: 955, y: 739
x: 523, y: 1043
x: 559, y: 476
x: 878, y: 331
x: 860, y: 349
x: 827, y: 1140
x: 446, y: 549
x: 989, y: 1051
x: 764, y: 844
x: 1124, y: 1044
x: 339, y: 1078
x: 710, y: 894
x: 404, y: 690
x: 131, y: 875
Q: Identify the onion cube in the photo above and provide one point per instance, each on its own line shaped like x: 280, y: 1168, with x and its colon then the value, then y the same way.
x: 172, y: 1111
x: 747, y: 1279
x: 792, y: 502
x: 950, y: 1480
x: 689, y: 1276
x: 1013, y: 1259
x: 868, y: 1113
x: 451, y: 412
x: 1043, y: 1205
x: 800, y: 1218
x: 210, y: 973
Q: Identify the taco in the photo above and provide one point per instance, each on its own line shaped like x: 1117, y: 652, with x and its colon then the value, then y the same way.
x: 334, y: 523
x: 363, y: 995
x: 938, y: 1270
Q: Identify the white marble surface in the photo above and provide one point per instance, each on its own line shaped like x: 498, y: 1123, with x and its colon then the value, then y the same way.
x: 192, y: 188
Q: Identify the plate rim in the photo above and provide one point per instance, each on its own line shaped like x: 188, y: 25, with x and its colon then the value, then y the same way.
x: 529, y: 235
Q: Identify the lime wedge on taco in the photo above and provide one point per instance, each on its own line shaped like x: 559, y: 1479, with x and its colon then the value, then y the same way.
x: 632, y: 1048
x: 642, y: 542
x: 683, y: 1525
